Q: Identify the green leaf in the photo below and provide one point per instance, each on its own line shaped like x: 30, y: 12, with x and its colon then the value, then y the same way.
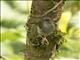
x: 9, y: 35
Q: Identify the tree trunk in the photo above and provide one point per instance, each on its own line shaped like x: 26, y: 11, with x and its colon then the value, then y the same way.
x: 40, y: 9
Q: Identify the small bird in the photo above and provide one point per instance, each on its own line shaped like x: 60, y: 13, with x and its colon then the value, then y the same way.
x: 45, y: 27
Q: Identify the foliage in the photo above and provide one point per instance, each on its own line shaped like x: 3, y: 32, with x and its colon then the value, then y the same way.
x: 12, y: 28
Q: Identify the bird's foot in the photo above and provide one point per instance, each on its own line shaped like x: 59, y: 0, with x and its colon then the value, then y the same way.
x: 45, y: 41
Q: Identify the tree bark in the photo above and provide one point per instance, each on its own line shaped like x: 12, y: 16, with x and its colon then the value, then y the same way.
x: 40, y: 9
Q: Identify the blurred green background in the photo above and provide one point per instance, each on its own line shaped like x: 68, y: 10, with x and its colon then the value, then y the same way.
x: 14, y: 15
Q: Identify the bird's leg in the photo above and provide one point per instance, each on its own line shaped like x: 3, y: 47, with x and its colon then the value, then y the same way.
x: 45, y: 41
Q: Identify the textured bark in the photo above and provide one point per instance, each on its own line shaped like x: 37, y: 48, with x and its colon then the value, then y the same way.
x: 38, y: 9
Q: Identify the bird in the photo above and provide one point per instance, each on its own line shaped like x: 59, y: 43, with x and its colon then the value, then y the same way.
x: 45, y: 27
